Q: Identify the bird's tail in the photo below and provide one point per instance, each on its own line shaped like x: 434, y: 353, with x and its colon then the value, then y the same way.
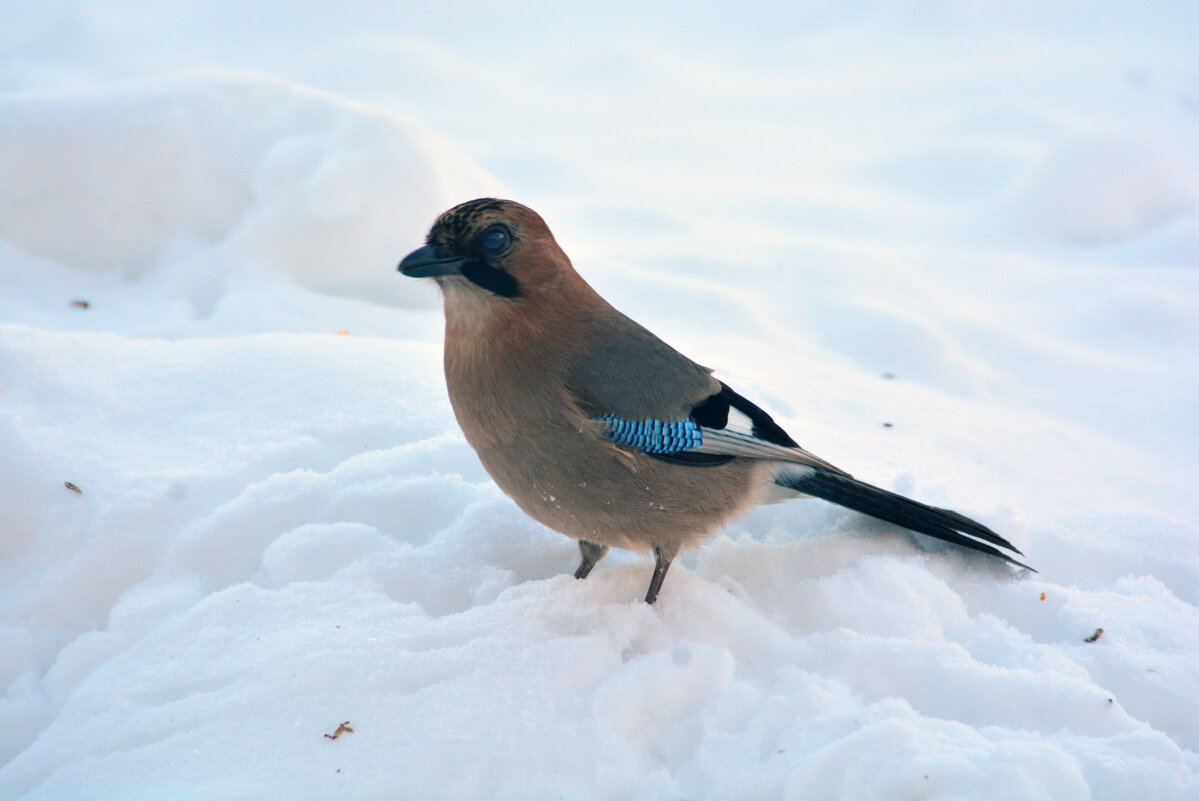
x: 876, y: 502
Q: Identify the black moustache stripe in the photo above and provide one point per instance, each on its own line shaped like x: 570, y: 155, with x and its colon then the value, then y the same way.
x: 490, y: 278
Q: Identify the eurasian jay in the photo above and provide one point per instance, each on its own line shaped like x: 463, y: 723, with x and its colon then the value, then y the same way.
x: 597, y: 428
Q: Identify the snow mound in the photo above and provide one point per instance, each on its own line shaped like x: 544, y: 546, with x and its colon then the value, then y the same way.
x: 236, y: 511
x: 226, y: 172
x: 317, y: 544
x: 1104, y: 190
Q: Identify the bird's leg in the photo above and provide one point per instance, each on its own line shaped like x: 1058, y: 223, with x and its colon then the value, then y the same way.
x: 661, y: 564
x: 592, y: 553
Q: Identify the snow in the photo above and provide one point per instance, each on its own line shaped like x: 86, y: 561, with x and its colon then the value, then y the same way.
x: 977, y: 224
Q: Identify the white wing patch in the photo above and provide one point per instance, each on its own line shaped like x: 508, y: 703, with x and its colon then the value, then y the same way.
x: 739, y: 423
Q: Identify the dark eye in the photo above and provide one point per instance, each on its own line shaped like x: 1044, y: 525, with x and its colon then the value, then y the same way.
x: 495, y: 241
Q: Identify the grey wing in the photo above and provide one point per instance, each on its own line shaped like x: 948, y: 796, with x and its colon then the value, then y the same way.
x: 631, y: 376
x: 631, y: 373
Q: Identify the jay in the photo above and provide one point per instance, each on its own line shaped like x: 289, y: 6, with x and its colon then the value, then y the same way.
x: 596, y: 427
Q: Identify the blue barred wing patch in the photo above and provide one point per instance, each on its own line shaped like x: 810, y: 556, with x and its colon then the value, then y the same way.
x: 653, y: 436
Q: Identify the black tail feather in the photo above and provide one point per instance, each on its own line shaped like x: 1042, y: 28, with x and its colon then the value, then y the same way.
x: 870, y: 500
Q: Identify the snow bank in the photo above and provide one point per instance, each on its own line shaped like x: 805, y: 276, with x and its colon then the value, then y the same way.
x: 1105, y: 190
x: 941, y: 268
x: 216, y: 174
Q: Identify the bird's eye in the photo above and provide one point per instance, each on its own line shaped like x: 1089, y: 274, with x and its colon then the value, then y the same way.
x: 495, y: 240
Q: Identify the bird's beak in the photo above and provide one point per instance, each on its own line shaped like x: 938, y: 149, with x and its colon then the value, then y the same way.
x: 430, y: 261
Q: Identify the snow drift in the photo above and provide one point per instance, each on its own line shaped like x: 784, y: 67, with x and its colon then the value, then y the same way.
x: 277, y: 527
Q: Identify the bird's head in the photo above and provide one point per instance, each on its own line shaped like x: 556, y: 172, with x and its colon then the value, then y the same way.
x: 490, y: 246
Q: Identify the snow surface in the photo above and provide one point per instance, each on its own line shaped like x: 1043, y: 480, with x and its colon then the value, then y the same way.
x: 977, y: 223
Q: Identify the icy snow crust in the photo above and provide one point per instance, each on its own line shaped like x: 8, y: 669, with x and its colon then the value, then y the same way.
x: 980, y: 227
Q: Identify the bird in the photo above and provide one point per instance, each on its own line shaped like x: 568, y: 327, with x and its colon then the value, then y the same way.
x: 597, y: 428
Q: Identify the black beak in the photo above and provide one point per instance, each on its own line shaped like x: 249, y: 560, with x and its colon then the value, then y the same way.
x: 430, y: 261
